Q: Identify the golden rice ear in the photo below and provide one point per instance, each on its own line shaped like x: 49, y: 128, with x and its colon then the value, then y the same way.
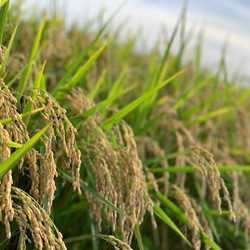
x: 5, y: 186
x: 31, y: 217
x: 118, y: 244
x: 119, y: 175
x: 205, y: 162
x: 192, y: 218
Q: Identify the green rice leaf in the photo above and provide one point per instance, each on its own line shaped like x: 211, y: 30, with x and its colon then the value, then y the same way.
x: 12, y: 144
x: 189, y: 169
x: 18, y: 154
x: 2, y: 69
x: 203, y: 118
x: 163, y: 216
x: 97, y: 86
x: 123, y: 112
x: 32, y: 55
x: 175, y: 210
x: 29, y: 106
x: 208, y: 241
x: 4, y: 5
x: 138, y: 236
x: 166, y: 157
x: 117, y: 84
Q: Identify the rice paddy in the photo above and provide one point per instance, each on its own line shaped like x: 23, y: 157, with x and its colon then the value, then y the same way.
x: 106, y: 147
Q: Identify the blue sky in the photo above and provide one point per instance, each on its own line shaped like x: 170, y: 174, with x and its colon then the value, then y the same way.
x: 220, y: 20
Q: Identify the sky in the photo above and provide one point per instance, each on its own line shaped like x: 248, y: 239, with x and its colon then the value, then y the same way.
x: 220, y: 21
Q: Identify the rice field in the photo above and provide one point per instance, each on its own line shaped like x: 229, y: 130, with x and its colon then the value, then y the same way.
x: 105, y: 147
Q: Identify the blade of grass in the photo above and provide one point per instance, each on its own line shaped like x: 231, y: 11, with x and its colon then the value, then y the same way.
x: 203, y: 118
x: 82, y: 237
x: 97, y: 86
x: 18, y: 154
x: 166, y: 157
x: 60, y: 93
x: 117, y: 84
x: 115, y: 89
x: 175, y: 210
x: 12, y: 144
x: 189, y: 169
x: 123, y: 112
x: 42, y: 81
x: 163, y: 216
x: 31, y: 57
x: 208, y: 241
x: 93, y: 231
x: 2, y: 69
x: 138, y: 236
x: 8, y: 120
x: 4, y: 5
x: 29, y: 105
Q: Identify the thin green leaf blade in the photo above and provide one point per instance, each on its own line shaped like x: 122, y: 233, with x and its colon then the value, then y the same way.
x: 163, y: 216
x: 203, y: 118
x: 2, y: 69
x: 17, y: 155
x: 4, y: 5
x: 97, y: 86
x: 208, y: 241
x: 138, y: 236
x: 31, y: 57
x: 29, y: 106
x: 12, y: 144
x: 189, y: 169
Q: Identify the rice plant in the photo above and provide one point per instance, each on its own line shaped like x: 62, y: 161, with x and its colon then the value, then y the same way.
x: 103, y: 147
